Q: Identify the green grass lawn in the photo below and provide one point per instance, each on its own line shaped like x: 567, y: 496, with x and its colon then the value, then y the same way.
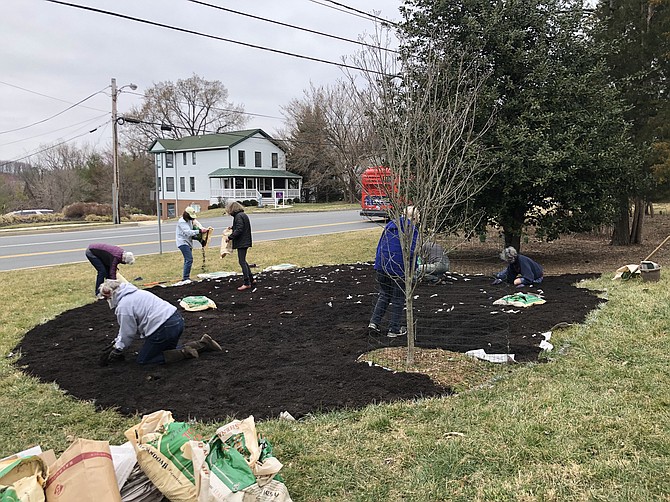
x: 591, y: 422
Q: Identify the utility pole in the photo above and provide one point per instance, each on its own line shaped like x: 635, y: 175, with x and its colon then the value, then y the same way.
x: 116, y: 207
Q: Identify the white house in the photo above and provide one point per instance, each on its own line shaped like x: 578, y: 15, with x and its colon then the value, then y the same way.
x: 204, y: 170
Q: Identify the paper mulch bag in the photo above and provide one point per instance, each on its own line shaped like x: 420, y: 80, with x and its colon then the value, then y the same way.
x: 159, y: 442
x: 234, y: 467
x: 84, y: 472
x: 23, y: 479
x: 226, y: 247
x: 197, y: 303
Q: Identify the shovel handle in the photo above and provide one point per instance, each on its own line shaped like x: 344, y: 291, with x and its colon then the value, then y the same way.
x: 659, y: 247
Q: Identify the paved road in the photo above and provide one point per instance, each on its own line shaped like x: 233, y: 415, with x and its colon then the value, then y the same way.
x: 29, y: 249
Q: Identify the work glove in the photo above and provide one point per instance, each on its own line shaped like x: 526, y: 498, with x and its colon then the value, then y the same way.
x: 110, y: 355
x: 496, y: 281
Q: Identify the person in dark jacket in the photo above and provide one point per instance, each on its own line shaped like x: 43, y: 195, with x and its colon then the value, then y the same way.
x: 241, y: 239
x: 390, y: 269
x: 521, y: 270
x: 106, y: 258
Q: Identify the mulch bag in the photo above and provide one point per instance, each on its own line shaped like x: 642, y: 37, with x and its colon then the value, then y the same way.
x: 23, y: 479
x: 196, y: 303
x: 520, y: 300
x: 235, y: 467
x: 226, y: 247
x: 84, y: 472
x: 159, y: 442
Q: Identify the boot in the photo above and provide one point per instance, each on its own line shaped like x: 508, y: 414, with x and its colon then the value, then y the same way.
x: 174, y: 355
x: 205, y: 344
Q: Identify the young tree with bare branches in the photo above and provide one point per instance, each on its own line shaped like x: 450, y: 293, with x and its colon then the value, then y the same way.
x: 423, y: 112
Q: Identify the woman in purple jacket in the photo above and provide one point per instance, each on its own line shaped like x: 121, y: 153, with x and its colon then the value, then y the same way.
x: 106, y: 259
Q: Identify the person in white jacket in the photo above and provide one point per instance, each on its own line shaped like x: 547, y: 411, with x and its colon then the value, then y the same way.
x: 141, y: 313
x: 184, y: 238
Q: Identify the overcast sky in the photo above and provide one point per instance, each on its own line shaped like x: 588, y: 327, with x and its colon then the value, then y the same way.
x: 54, y: 56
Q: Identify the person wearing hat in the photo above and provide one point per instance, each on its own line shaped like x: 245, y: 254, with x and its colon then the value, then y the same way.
x: 106, y: 258
x: 184, y: 238
x: 521, y: 270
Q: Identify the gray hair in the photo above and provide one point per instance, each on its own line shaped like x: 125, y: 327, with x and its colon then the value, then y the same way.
x: 128, y: 258
x: 508, y: 254
x: 108, y: 287
x: 412, y: 213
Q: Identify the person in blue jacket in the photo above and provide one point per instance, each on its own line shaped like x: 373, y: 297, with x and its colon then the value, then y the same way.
x: 391, y: 271
x: 521, y: 270
x: 184, y: 235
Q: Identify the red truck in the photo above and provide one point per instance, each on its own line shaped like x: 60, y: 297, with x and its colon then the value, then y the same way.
x: 377, y: 182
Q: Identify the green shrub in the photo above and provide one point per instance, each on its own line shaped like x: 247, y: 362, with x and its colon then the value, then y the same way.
x: 80, y: 210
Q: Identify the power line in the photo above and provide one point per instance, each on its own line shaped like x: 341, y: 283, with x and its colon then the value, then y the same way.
x: 53, y: 116
x: 55, y: 130
x: 46, y: 95
x: 354, y: 12
x: 285, y: 24
x: 218, y: 109
x: 214, y: 37
x: 51, y: 147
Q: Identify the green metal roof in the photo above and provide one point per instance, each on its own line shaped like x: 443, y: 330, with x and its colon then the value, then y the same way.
x: 251, y: 172
x: 207, y: 141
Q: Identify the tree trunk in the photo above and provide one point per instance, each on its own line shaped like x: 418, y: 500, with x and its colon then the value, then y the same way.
x: 621, y: 233
x: 409, y: 303
x: 638, y: 219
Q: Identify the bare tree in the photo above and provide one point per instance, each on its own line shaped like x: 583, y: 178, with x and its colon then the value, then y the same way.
x: 423, y: 112
x: 338, y: 130
x: 190, y: 107
x: 55, y: 178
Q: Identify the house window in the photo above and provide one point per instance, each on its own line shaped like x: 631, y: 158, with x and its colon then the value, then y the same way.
x: 169, y: 184
x: 258, y: 159
x: 159, y: 160
x: 169, y: 160
x: 192, y: 181
x: 239, y: 183
x: 275, y: 160
x: 193, y: 158
x: 182, y: 184
x: 171, y: 210
x: 241, y: 162
x: 265, y: 184
x: 250, y: 183
x: 183, y: 158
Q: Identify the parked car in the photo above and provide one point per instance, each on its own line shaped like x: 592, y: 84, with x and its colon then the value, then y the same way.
x: 30, y: 212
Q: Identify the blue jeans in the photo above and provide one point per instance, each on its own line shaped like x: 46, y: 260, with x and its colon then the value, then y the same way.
x: 188, y: 261
x: 103, y: 272
x: 391, y: 291
x: 164, y: 338
x: 246, y: 271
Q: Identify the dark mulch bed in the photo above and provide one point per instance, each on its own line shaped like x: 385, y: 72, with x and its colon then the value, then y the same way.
x: 292, y: 343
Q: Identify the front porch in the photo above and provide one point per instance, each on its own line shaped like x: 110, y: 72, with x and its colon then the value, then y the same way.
x: 267, y: 186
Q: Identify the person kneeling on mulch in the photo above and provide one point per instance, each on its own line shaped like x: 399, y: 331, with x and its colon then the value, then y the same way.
x: 521, y: 270
x: 142, y: 313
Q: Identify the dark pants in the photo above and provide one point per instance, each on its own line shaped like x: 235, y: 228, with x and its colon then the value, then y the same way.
x: 187, y: 252
x: 246, y: 271
x: 164, y: 338
x: 391, y: 291
x: 103, y: 271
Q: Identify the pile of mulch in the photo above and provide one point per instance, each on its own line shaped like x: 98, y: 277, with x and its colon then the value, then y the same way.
x: 292, y: 343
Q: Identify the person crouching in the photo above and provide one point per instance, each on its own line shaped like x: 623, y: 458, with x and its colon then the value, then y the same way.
x: 141, y: 313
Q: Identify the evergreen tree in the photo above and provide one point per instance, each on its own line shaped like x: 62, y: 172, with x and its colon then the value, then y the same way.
x: 559, y: 139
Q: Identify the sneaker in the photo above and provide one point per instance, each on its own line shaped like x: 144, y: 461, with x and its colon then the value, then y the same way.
x: 372, y: 326
x: 402, y: 332
x: 183, y: 283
